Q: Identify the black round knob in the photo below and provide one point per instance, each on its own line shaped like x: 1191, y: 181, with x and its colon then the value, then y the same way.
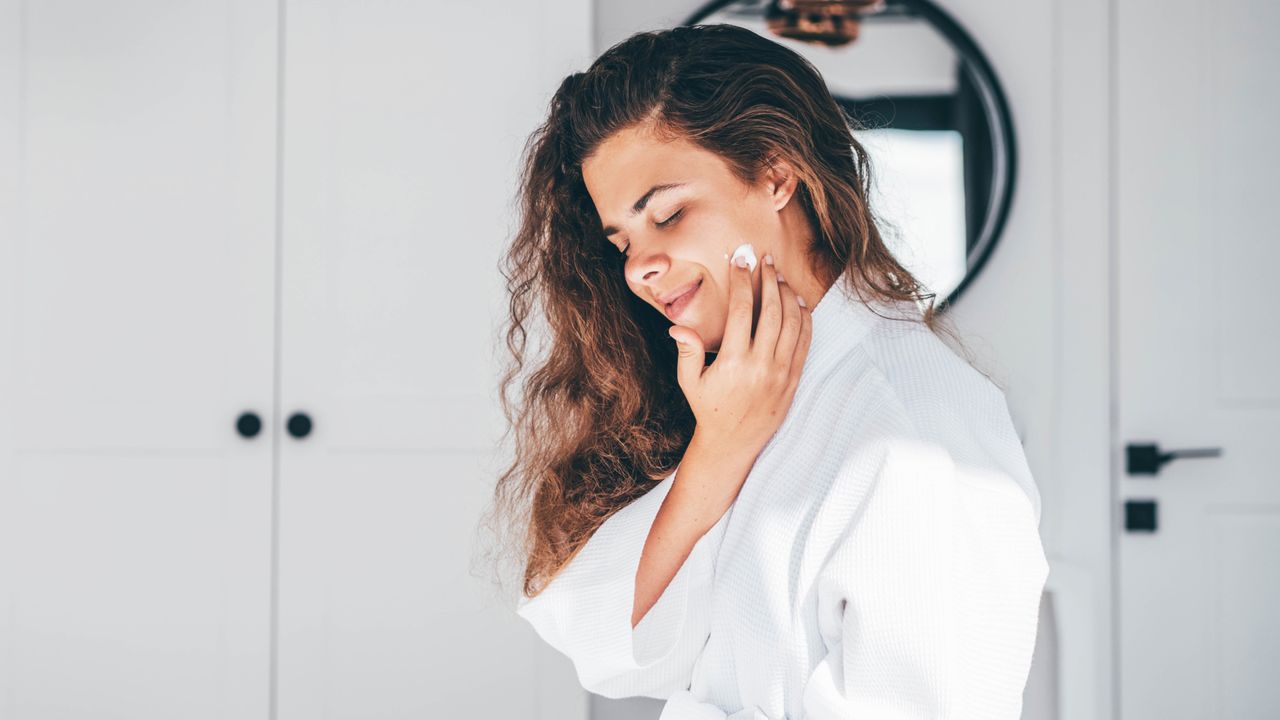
x: 248, y: 424
x: 299, y: 425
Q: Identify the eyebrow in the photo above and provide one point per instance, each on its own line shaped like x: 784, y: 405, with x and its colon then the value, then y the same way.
x: 644, y: 200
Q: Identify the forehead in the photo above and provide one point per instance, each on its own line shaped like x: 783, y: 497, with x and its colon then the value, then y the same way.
x: 633, y: 160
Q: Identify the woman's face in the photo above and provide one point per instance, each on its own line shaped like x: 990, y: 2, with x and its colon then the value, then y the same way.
x: 678, y: 213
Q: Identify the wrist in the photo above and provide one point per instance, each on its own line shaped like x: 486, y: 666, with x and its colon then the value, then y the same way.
x: 724, y: 448
x: 709, y: 478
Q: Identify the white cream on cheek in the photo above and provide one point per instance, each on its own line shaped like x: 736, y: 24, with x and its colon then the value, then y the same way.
x: 747, y: 251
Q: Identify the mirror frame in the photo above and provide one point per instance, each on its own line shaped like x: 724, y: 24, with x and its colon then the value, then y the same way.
x: 978, y: 71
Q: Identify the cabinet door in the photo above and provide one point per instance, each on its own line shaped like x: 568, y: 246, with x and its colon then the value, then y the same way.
x: 404, y: 121
x: 137, y: 233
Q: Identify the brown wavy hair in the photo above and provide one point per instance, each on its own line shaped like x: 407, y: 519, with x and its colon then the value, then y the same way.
x: 601, y: 419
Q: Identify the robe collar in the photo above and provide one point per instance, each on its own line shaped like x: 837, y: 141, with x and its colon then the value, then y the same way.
x: 842, y: 320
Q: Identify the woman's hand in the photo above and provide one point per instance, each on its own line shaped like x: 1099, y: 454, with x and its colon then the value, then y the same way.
x: 740, y: 400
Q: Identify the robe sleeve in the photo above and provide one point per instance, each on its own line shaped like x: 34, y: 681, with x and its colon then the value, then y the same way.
x: 585, y: 611
x: 928, y: 605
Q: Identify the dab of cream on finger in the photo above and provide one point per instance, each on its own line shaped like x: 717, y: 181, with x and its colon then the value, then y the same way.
x: 745, y: 250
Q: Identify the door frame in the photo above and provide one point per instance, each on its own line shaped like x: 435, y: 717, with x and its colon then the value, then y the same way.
x: 1087, y: 460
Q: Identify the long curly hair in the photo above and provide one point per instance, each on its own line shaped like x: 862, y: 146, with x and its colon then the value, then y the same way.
x: 601, y: 419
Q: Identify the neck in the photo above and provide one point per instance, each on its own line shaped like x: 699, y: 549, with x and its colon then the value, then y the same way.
x: 792, y: 260
x: 800, y: 275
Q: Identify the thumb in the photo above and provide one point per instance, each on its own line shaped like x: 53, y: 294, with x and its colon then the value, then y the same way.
x: 693, y: 355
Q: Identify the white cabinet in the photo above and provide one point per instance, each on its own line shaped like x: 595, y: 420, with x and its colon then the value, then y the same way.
x: 216, y: 208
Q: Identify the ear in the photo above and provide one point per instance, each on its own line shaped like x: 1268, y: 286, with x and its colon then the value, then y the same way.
x: 781, y: 181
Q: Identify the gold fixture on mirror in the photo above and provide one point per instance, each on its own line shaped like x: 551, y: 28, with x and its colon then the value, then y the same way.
x: 827, y: 22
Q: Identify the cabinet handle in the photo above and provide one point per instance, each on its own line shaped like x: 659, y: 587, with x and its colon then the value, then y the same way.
x: 248, y: 424
x: 299, y: 425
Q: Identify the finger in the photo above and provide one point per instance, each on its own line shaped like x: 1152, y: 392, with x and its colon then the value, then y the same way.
x: 737, y: 327
x: 769, y: 324
x: 692, y: 353
x: 792, y: 319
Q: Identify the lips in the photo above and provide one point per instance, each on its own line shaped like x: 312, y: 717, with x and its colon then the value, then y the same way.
x: 671, y: 296
x: 680, y: 301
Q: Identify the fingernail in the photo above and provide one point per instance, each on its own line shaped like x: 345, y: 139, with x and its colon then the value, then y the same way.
x: 801, y: 301
x: 740, y: 261
x: 748, y: 254
x: 768, y: 259
x: 780, y: 278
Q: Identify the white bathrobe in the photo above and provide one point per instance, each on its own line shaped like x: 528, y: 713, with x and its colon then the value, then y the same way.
x: 882, y: 561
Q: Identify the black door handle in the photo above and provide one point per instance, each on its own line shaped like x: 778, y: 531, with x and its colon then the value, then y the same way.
x: 1147, y: 459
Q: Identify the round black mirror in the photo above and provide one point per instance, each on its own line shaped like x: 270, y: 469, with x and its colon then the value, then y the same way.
x: 927, y: 107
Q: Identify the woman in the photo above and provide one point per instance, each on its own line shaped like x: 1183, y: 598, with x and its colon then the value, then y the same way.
x: 833, y: 519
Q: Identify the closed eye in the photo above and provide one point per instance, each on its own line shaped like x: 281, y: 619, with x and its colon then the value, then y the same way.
x: 671, y: 219
x: 665, y: 223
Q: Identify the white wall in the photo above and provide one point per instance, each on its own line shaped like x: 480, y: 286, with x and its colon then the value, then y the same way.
x: 1038, y: 317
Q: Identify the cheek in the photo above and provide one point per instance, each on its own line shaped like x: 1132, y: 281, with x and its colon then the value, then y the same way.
x: 709, y: 242
x: 709, y: 238
x: 715, y: 311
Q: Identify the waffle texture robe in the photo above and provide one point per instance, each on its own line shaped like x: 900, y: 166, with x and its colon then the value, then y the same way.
x: 882, y: 560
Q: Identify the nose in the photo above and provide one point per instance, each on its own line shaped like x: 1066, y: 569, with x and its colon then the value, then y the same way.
x: 647, y: 266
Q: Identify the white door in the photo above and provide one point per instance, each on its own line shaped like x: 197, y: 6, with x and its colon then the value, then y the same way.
x: 137, y: 232
x: 1198, y: 104
x: 404, y: 121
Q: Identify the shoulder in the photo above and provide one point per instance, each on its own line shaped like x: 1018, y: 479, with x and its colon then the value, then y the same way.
x: 951, y: 417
